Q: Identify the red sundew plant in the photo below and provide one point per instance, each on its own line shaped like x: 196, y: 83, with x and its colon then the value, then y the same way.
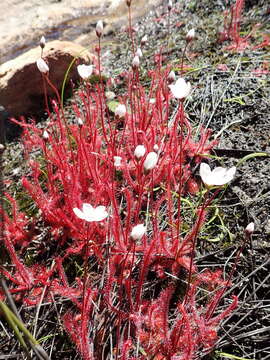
x: 232, y: 28
x: 111, y: 188
x: 185, y: 332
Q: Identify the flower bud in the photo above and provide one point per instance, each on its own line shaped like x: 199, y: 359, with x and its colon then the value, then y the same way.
x: 150, y: 161
x: 45, y: 135
x: 42, y: 42
x: 99, y: 28
x: 139, y: 53
x: 249, y: 230
x: 171, y: 77
x: 170, y: 5
x: 42, y: 66
x: 190, y: 35
x: 139, y: 151
x: 136, y: 62
x: 79, y: 122
x: 156, y: 148
x: 110, y: 95
x: 128, y: 2
x: 138, y: 232
x: 117, y: 161
x: 120, y: 110
x: 144, y: 40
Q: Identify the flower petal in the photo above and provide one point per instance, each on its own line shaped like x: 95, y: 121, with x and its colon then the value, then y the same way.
x: 230, y: 173
x: 205, y: 173
x: 219, y: 171
x: 100, y: 213
x: 79, y: 213
x: 87, y: 208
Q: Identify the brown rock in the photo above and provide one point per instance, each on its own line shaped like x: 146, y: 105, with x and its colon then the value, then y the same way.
x: 21, y: 84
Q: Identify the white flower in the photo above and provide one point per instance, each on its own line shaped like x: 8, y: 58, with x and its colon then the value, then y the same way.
x: 85, y: 71
x: 138, y: 231
x: 99, y: 28
x: 150, y: 161
x: 217, y: 177
x: 136, y: 61
x: 117, y: 160
x: 139, y: 151
x: 42, y: 66
x: 181, y: 89
x: 170, y: 5
x: 89, y: 213
x: 190, y: 35
x: 250, y: 228
x: 139, y: 53
x: 120, y: 110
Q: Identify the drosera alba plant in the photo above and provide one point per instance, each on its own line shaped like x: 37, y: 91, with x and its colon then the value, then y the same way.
x: 111, y: 188
x: 232, y: 28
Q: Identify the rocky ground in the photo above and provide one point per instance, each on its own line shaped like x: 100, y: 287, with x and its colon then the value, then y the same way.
x: 231, y: 91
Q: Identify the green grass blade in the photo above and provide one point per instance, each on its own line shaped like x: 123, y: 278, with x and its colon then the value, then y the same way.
x: 10, y: 319
x: 230, y: 356
x: 251, y: 156
x: 65, y: 79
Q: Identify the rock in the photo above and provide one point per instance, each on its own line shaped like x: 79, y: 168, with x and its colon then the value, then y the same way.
x: 4, y: 115
x: 22, y: 23
x: 21, y: 85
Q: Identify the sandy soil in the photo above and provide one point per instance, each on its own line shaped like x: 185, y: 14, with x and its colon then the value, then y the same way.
x: 22, y: 23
